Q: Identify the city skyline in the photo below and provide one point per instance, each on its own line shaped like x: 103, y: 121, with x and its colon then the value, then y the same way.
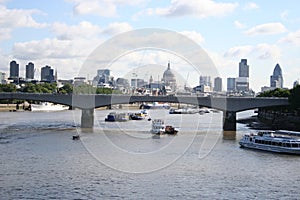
x: 237, y: 84
x: 62, y: 34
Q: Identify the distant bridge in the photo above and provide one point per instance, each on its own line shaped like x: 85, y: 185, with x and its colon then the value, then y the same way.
x: 87, y: 102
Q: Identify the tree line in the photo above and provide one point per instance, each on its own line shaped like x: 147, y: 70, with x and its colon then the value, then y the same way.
x: 292, y: 94
x: 52, y: 88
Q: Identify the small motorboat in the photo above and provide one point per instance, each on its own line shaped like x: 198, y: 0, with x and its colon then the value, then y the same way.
x: 76, y: 137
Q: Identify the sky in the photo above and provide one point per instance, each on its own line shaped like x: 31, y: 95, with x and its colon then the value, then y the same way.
x: 64, y: 33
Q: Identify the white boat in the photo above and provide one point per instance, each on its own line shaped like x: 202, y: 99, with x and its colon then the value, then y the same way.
x: 156, y: 105
x: 117, y: 117
x: 270, y: 141
x: 159, y: 127
x: 47, y: 106
x: 183, y: 111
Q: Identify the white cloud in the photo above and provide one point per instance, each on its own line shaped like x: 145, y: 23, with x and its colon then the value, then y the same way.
x: 16, y: 18
x: 3, y: 1
x: 11, y: 18
x: 193, y: 35
x: 239, y: 25
x: 239, y: 51
x: 251, y: 6
x: 292, y: 38
x: 65, y: 55
x: 5, y: 33
x: 260, y: 51
x: 105, y: 8
x: 266, y: 29
x: 117, y: 27
x: 201, y: 9
x: 84, y: 30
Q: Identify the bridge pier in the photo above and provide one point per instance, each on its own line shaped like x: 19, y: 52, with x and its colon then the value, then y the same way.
x: 229, y: 119
x: 87, y: 118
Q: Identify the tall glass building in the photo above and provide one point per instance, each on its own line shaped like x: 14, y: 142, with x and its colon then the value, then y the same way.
x: 276, y: 80
x: 14, y: 70
x: 29, y: 71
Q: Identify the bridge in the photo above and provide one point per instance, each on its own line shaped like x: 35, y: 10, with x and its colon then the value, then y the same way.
x: 88, y: 102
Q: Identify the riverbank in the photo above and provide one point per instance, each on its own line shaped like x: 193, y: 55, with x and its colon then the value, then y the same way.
x: 259, y: 123
x: 7, y: 107
x: 254, y: 122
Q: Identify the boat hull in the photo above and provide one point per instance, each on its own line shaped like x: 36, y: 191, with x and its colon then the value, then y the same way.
x: 270, y: 141
x: 47, y: 107
x: 271, y: 148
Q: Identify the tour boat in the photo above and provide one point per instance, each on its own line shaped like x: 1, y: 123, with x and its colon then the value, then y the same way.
x: 271, y: 141
x: 159, y: 127
x: 47, y: 106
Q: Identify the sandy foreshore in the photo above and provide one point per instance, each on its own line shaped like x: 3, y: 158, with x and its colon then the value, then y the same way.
x: 8, y: 107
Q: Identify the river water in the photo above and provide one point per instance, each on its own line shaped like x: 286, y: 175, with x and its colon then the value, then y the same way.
x: 39, y: 160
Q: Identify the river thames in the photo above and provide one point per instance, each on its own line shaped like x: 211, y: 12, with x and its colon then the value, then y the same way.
x: 39, y: 160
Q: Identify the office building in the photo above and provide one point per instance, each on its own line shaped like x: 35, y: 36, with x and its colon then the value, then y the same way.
x: 276, y: 80
x: 29, y: 71
x: 205, y: 80
x: 2, y: 78
x: 242, y: 84
x: 231, y: 85
x: 243, y: 68
x: 218, y: 84
x: 14, y: 70
x: 47, y: 74
x: 138, y: 83
x: 103, y: 77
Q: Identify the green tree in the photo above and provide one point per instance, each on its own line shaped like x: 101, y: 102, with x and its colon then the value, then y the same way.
x: 294, y: 97
x: 66, y: 89
x: 84, y: 89
x: 278, y: 92
x: 8, y: 88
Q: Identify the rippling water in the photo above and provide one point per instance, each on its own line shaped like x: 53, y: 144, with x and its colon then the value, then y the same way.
x: 39, y: 160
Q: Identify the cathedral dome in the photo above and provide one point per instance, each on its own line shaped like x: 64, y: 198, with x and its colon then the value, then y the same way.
x: 168, y: 74
x: 169, y: 78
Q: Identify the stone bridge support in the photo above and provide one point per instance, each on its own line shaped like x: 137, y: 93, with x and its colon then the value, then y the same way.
x: 87, y: 118
x: 229, y: 119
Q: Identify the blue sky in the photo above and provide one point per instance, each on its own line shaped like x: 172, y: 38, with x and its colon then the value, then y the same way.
x: 62, y: 34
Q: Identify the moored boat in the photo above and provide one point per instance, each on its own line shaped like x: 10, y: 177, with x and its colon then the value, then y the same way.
x: 183, y: 111
x: 159, y: 127
x: 156, y: 105
x: 270, y: 141
x: 47, y: 106
x: 117, y: 117
x: 143, y: 114
x: 137, y: 116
